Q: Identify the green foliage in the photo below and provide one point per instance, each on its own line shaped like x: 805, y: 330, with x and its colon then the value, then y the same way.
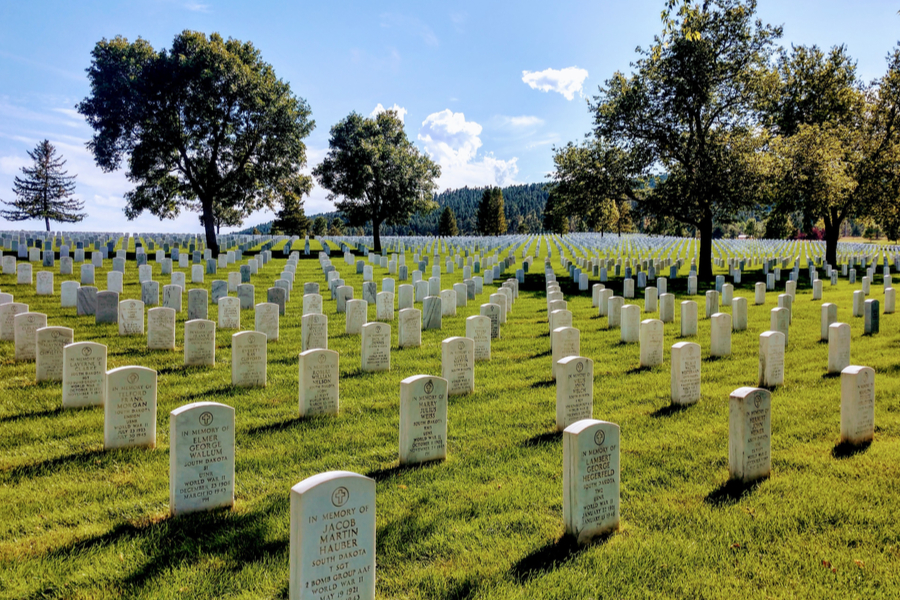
x: 319, y: 226
x: 44, y: 191
x: 448, y: 227
x: 291, y: 220
x: 491, y: 213
x: 375, y: 173
x: 688, y: 110
x: 779, y: 226
x: 336, y: 227
x: 204, y: 124
x: 555, y: 220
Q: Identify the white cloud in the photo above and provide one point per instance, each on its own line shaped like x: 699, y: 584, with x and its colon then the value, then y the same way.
x: 197, y: 7
x: 401, y: 112
x: 12, y: 165
x: 567, y: 82
x: 109, y: 201
x: 454, y: 142
x: 522, y: 122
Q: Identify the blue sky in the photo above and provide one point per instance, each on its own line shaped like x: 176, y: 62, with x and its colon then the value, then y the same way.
x: 485, y: 88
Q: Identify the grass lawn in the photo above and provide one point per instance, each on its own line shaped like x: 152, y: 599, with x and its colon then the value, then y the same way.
x: 79, y: 522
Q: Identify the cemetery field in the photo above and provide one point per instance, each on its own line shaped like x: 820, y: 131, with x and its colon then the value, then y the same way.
x: 80, y: 522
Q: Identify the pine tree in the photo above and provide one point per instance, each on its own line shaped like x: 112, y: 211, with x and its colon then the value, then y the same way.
x: 447, y: 226
x: 499, y: 212
x: 491, y: 213
x: 319, y: 226
x: 291, y: 220
x: 45, y: 191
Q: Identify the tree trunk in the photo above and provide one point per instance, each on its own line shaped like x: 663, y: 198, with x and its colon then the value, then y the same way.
x: 376, y: 234
x: 704, y: 266
x: 832, y: 235
x: 209, y: 226
x: 47, y: 221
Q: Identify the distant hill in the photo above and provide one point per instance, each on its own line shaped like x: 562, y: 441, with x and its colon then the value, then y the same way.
x: 524, y: 204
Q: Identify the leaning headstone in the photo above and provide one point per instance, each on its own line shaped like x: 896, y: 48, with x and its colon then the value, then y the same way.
x: 131, y: 317
x: 591, y: 479
x: 458, y: 365
x: 685, y: 375
x: 25, y: 326
x: 201, y: 457
x: 84, y: 375
x: 332, y: 539
x: 376, y: 347
x: 574, y: 390
x: 319, y: 385
x: 857, y: 405
x: 50, y: 344
x: 161, y: 328
x: 771, y: 359
x: 200, y: 343
x: 423, y: 419
x: 750, y: 434
x: 129, y: 411
x: 248, y: 359
x: 313, y: 332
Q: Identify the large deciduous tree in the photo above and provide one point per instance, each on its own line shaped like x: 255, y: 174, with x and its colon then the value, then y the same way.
x: 202, y: 125
x: 44, y: 192
x: 375, y: 174
x: 837, y: 140
x: 688, y: 110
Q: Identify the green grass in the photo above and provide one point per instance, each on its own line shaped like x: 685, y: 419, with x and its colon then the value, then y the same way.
x: 79, y: 522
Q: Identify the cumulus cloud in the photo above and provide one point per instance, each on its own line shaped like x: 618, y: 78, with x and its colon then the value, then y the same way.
x: 401, y: 112
x: 454, y: 142
x: 197, y: 7
x: 568, y: 81
x: 522, y: 122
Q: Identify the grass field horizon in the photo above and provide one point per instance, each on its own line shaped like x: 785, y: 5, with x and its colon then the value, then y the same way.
x: 82, y: 522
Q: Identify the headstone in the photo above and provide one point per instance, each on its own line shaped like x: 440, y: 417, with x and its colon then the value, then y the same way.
x: 688, y: 318
x: 739, y: 314
x: 376, y: 347
x: 332, y: 541
x: 410, y: 328
x: 312, y: 304
x: 86, y: 301
x: 197, y: 304
x: 591, y: 479
x: 631, y: 324
x: 25, y: 326
x: 68, y: 294
x: 229, y: 313
x: 423, y: 419
x: 218, y: 289
x: 131, y: 317
x: 651, y: 338
x: 614, y: 311
x: 685, y: 375
x: 857, y: 405
x: 129, y: 411
x: 720, y: 335
x: 107, y: 307
x: 49, y: 359
x: 278, y: 297
x: 319, y: 382
x: 201, y: 457
x: 248, y: 359
x: 829, y: 316
x: 838, y: 347
x: 313, y: 332
x: 23, y: 275
x: 574, y: 390
x: 161, y: 328
x: 265, y: 319
x: 357, y: 316
x: 458, y: 365
x: 478, y: 329
x: 431, y: 313
x: 83, y: 374
x: 44, y: 286
x: 150, y: 293
x: 200, y: 343
x: 750, y: 434
x: 771, y: 359
x: 872, y: 317
x: 780, y: 320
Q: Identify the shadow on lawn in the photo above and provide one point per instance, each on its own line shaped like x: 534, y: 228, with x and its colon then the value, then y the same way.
x: 51, y: 465
x: 731, y: 491
x: 847, y: 450
x: 548, y: 557
x: 669, y: 410
x: 386, y: 473
x: 542, y: 438
x: 50, y: 412
x: 235, y: 539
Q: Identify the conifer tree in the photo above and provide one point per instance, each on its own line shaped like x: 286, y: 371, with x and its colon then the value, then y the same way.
x: 45, y: 190
x: 447, y: 226
x: 491, y: 213
x: 291, y: 220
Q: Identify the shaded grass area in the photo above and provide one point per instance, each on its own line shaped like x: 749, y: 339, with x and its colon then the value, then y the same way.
x: 79, y: 522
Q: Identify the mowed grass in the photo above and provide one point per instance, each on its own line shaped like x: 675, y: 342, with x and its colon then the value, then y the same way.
x: 79, y: 522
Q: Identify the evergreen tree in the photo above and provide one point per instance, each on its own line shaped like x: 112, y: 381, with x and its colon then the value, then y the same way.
x: 554, y: 221
x: 291, y: 220
x: 491, y: 214
x: 447, y: 226
x: 319, y: 226
x: 45, y: 190
x: 336, y: 227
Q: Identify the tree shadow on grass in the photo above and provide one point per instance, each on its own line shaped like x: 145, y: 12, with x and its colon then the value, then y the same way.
x: 297, y: 422
x: 844, y: 450
x: 637, y: 370
x: 49, y: 466
x: 236, y: 539
x: 226, y: 390
x: 541, y: 439
x: 732, y: 491
x: 386, y: 473
x: 548, y: 557
x: 669, y: 410
x: 543, y: 384
x: 830, y: 375
x: 542, y: 354
x: 50, y: 412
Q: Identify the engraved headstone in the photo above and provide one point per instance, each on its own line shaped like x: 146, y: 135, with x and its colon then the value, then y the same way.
x: 651, y: 342
x: 131, y: 317
x: 319, y: 382
x: 574, y: 390
x: 200, y: 343
x: 458, y: 365
x: 591, y: 479
x: 838, y: 347
x: 750, y: 434
x: 857, y: 405
x: 49, y: 359
x: 423, y: 419
x: 229, y: 313
x: 107, y: 307
x: 376, y: 347
x: 84, y: 374
x: 129, y: 411
x: 248, y: 359
x: 410, y: 328
x: 685, y: 376
x: 478, y: 329
x: 313, y: 332
x: 771, y: 359
x: 161, y: 328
